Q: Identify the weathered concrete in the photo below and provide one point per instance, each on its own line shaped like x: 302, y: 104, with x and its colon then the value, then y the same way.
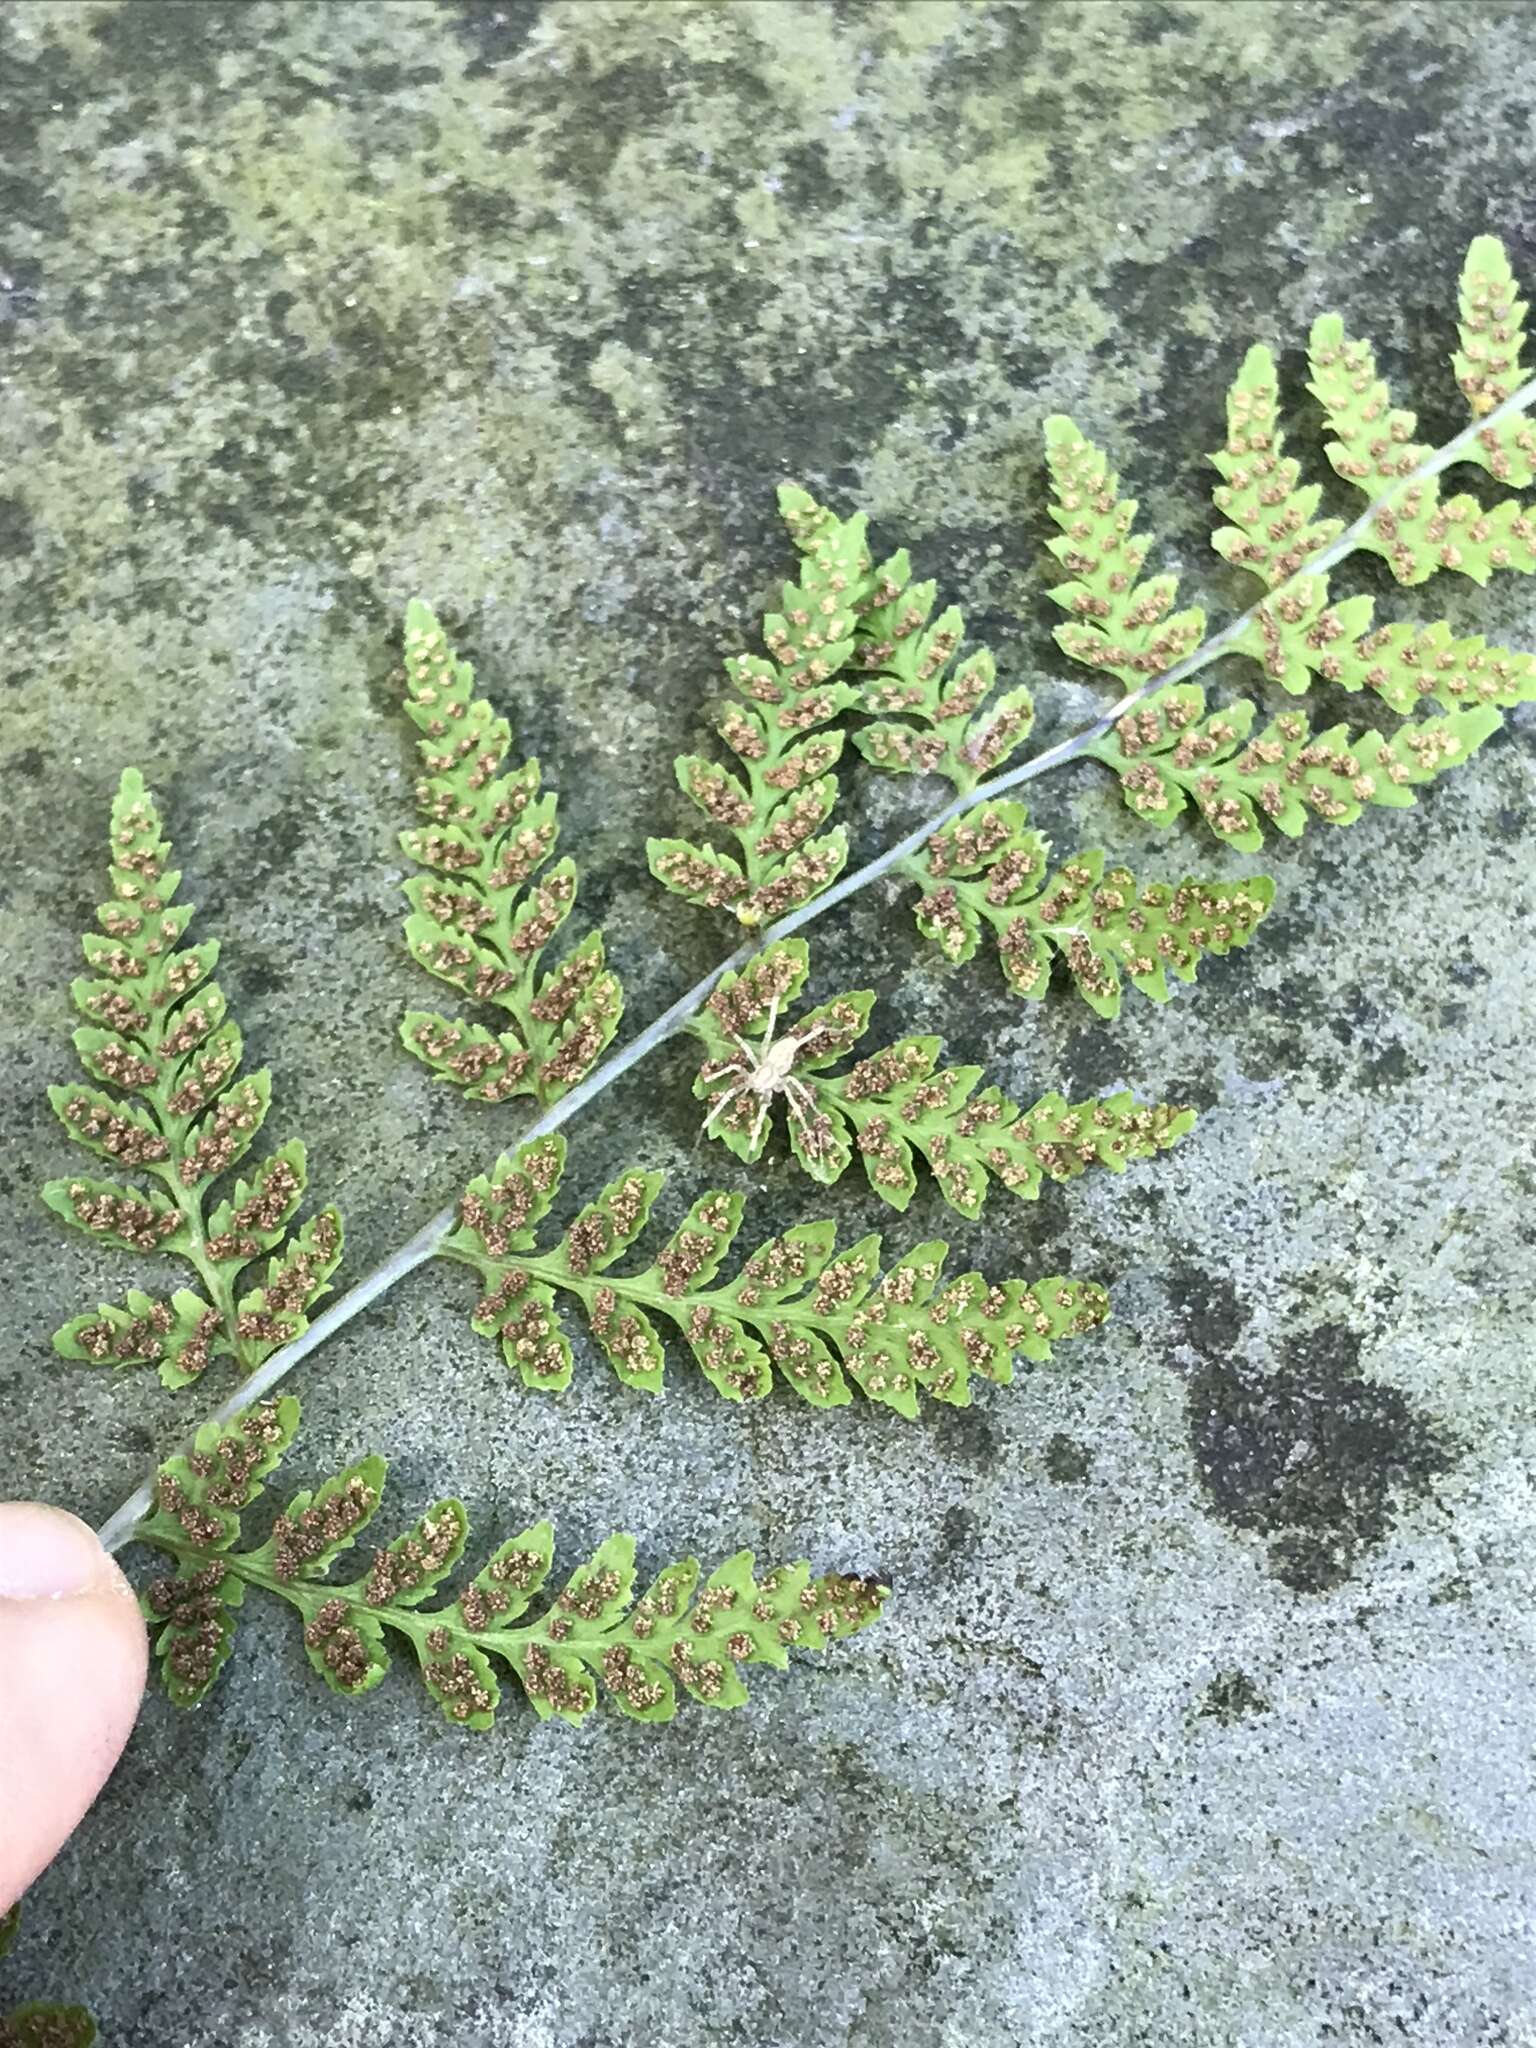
x: 1202, y: 1715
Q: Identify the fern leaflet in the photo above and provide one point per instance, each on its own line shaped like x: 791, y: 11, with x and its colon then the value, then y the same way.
x: 1120, y: 627
x: 175, y: 1109
x: 784, y: 795
x: 483, y: 916
x: 1488, y: 366
x: 934, y: 715
x: 1168, y: 755
x: 825, y: 1321
x: 678, y: 1635
x: 894, y: 1103
x: 987, y: 870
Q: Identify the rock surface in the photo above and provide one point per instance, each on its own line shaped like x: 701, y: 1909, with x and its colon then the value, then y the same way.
x: 1202, y: 1714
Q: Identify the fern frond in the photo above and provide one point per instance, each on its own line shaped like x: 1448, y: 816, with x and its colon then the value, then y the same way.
x: 988, y: 871
x: 36, y: 2025
x: 1414, y: 530
x: 176, y: 1110
x: 678, y: 1635
x: 1169, y: 756
x: 483, y: 917
x: 894, y: 1104
x: 1274, y: 529
x: 933, y: 715
x: 1295, y: 633
x: 1298, y: 636
x: 1120, y: 627
x: 1488, y: 366
x: 827, y: 1322
x: 777, y: 806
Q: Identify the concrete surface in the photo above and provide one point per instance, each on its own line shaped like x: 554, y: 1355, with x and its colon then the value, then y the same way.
x: 1202, y: 1717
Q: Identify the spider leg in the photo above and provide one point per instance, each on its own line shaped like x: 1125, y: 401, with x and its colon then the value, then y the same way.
x: 814, y: 1143
x: 747, y: 1053
x: 773, y: 1014
x: 762, y: 1118
x: 800, y: 1096
x: 729, y: 1096
x: 803, y: 1110
x: 809, y: 1038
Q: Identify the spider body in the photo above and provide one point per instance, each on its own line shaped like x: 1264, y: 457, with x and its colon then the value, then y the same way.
x: 764, y: 1071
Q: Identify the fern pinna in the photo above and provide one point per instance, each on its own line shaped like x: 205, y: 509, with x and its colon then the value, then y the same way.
x: 856, y: 650
x: 491, y: 903
x: 676, y: 1635
x: 819, y: 1318
x: 183, y: 1116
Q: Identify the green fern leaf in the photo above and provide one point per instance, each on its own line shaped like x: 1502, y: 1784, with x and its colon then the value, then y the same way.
x: 825, y: 1322
x: 777, y: 806
x: 1488, y: 366
x: 181, y: 1336
x: 273, y: 1315
x: 988, y: 871
x: 174, y: 1108
x: 893, y: 1105
x: 1297, y: 635
x: 933, y: 716
x: 198, y: 1500
x: 1294, y: 633
x: 594, y: 1632
x: 1168, y: 757
x: 1274, y: 524
x: 1409, y: 666
x: 484, y: 915
x: 126, y: 1219
x: 1120, y: 627
x: 1415, y: 531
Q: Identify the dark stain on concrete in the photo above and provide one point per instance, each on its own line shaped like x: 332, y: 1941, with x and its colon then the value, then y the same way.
x: 1231, y: 1696
x: 1067, y: 1461
x: 1312, y: 1457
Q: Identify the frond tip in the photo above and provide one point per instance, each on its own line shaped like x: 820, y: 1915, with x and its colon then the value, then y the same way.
x: 826, y: 1322
x: 483, y: 917
x: 175, y: 1109
x: 678, y: 1636
x: 1488, y: 366
x: 1414, y: 529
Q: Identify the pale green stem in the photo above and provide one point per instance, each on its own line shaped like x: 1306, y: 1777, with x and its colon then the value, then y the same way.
x: 218, y: 1280
x: 424, y: 1245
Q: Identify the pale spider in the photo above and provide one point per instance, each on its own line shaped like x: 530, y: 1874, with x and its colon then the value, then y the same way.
x: 764, y: 1072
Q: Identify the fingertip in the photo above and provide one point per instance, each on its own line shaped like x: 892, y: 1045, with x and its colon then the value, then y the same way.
x: 73, y: 1657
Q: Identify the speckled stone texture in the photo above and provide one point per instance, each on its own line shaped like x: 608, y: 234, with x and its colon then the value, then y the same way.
x: 1203, y: 1713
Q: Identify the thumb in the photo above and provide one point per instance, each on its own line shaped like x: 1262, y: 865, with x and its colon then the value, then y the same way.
x: 72, y: 1661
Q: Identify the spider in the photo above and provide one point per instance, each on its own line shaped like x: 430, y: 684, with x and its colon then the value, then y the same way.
x: 766, y: 1072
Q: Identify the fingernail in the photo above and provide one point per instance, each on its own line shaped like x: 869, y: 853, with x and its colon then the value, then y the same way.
x: 45, y: 1554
